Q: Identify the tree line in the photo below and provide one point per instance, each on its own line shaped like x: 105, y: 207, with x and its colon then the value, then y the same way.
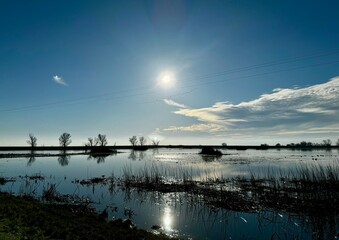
x: 100, y: 140
x: 324, y: 143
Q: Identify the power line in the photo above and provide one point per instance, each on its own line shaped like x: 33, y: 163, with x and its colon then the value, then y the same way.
x: 265, y: 65
x: 262, y: 74
x: 248, y: 76
x: 147, y: 90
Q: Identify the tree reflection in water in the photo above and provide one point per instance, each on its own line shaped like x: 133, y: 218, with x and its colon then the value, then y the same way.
x: 31, y: 158
x: 64, y: 159
x: 155, y: 151
x: 134, y: 155
x: 100, y: 158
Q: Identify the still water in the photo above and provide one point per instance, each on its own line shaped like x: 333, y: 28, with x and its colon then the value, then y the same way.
x: 178, y: 214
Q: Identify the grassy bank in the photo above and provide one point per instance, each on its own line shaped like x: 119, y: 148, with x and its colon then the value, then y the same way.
x: 26, y: 218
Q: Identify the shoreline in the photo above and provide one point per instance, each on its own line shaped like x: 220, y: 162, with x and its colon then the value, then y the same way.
x: 231, y: 147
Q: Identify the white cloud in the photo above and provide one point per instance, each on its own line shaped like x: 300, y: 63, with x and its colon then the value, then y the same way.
x: 59, y: 80
x: 197, y: 128
x: 284, y: 111
x: 173, y: 103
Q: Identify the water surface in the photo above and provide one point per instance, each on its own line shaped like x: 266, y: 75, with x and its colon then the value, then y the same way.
x: 179, y: 214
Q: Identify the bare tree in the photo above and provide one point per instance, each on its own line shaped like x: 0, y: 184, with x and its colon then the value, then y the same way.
x: 32, y: 141
x: 327, y: 142
x: 338, y: 142
x: 101, y: 140
x: 142, y: 141
x: 155, y: 142
x: 65, y: 139
x: 91, y: 142
x: 133, y: 140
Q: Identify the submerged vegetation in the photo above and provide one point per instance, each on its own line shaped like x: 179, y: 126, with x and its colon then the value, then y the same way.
x: 309, y: 190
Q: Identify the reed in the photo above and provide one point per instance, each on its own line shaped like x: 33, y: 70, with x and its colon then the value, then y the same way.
x: 310, y: 188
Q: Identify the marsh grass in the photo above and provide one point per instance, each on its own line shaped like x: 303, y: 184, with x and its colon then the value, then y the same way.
x: 4, y: 180
x: 310, y: 188
x: 52, y: 196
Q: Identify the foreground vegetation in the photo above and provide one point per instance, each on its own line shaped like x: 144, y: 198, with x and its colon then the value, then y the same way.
x: 310, y: 189
x: 26, y: 218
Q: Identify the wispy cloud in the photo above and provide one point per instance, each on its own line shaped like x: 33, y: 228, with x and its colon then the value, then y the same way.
x: 284, y: 111
x: 196, y: 128
x: 59, y: 80
x: 174, y: 103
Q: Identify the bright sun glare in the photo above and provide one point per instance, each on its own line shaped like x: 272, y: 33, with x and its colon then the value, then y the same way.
x: 167, y: 219
x: 166, y: 79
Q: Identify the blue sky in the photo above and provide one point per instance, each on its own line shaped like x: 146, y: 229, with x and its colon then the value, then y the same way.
x: 185, y: 72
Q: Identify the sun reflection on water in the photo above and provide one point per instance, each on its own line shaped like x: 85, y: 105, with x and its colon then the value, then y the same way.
x: 167, y: 220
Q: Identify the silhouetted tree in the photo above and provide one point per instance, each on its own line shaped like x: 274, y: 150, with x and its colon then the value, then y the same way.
x: 91, y: 142
x: 101, y: 140
x: 327, y: 142
x: 278, y: 145
x: 65, y: 139
x: 133, y: 140
x: 155, y: 142
x: 224, y: 144
x: 32, y: 141
x: 142, y: 141
x: 338, y: 142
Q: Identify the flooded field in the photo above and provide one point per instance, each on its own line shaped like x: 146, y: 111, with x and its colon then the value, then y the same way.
x: 180, y: 214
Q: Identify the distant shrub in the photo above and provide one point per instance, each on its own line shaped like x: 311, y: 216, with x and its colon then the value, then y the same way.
x: 210, y: 151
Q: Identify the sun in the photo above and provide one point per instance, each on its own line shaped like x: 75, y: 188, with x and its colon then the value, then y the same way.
x: 166, y: 79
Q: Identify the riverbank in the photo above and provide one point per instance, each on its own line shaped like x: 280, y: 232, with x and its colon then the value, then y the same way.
x: 26, y: 218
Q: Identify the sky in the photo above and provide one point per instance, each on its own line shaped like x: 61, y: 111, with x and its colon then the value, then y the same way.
x: 182, y: 72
